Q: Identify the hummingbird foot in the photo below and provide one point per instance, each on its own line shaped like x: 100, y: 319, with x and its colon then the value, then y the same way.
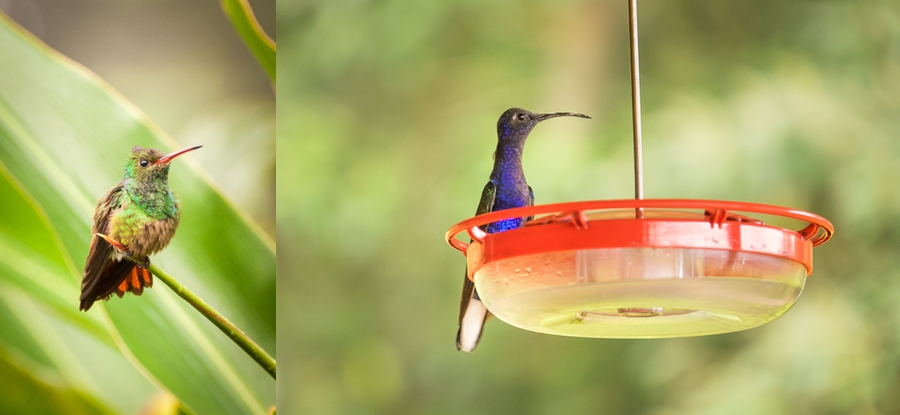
x: 141, y: 264
x: 145, y: 264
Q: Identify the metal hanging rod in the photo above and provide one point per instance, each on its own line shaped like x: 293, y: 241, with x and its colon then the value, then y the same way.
x: 636, y: 105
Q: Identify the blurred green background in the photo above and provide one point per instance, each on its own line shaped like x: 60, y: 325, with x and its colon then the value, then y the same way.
x: 130, y: 73
x: 386, y: 126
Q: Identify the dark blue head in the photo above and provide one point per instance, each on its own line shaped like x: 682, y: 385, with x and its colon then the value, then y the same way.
x: 516, y: 123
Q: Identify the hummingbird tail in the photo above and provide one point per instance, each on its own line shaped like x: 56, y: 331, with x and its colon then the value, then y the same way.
x: 471, y: 326
x: 117, y: 277
x: 135, y: 282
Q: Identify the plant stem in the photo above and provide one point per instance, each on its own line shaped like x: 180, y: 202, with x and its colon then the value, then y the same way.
x: 238, y: 336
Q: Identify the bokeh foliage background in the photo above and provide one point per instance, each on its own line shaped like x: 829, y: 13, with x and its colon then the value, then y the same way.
x: 64, y: 137
x: 184, y: 65
x: 385, y: 131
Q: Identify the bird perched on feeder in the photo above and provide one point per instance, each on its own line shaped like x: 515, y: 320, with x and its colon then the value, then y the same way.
x: 506, y: 189
x: 132, y: 221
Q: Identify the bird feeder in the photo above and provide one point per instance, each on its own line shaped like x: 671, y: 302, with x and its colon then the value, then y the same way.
x: 683, y: 268
x: 641, y: 268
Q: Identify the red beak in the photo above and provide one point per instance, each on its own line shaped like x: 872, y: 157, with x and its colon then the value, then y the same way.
x: 168, y: 157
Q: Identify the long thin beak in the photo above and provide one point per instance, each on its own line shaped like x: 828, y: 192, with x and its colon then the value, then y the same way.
x: 168, y: 157
x: 542, y: 117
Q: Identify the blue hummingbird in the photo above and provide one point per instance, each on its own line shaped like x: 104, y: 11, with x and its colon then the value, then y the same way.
x: 506, y: 189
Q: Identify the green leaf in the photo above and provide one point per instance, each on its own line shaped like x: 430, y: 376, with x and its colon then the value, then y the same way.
x: 64, y: 137
x: 36, y: 314
x: 261, y: 45
x: 25, y: 394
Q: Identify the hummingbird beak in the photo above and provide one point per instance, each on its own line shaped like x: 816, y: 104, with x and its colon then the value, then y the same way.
x: 168, y: 157
x: 542, y: 117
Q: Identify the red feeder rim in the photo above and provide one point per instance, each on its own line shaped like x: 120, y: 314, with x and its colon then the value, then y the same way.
x: 663, y: 223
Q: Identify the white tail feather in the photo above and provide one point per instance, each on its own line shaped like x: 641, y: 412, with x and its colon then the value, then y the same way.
x: 471, y: 327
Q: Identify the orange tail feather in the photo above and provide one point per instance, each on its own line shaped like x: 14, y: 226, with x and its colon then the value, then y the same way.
x: 142, y: 278
x: 134, y: 280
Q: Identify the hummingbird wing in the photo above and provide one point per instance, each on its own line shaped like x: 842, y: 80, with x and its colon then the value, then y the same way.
x: 470, y: 328
x: 103, y: 274
x: 530, y: 202
x: 100, y: 250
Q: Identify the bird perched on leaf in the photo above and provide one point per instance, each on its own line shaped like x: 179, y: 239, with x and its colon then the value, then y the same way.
x: 132, y: 221
x: 506, y: 189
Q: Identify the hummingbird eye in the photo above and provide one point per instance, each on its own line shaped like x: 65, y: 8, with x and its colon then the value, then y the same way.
x: 520, y: 117
x: 144, y: 163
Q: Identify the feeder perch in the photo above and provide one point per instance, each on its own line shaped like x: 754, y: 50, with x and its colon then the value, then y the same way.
x: 641, y: 268
x: 685, y: 268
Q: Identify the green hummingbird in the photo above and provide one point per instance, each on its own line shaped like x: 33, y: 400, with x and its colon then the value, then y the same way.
x: 135, y: 219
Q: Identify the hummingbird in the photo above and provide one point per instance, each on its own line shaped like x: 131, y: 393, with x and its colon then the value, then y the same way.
x: 506, y: 189
x: 135, y: 219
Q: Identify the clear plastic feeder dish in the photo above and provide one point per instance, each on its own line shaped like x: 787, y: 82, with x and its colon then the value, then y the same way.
x: 641, y: 268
